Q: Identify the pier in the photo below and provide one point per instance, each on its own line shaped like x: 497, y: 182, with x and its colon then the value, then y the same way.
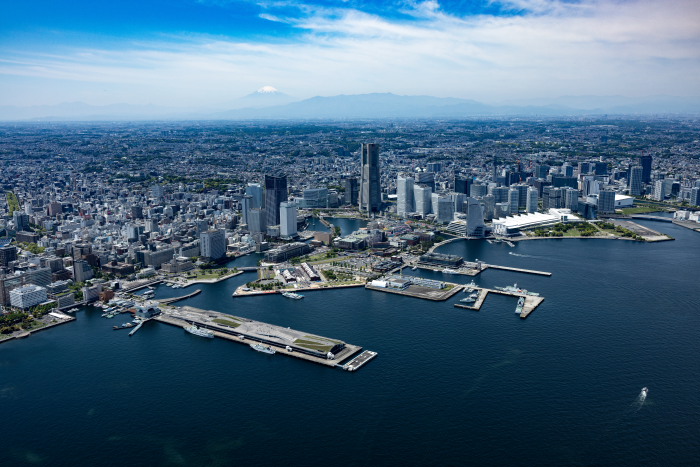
x: 285, y: 341
x: 526, y: 271
x: 418, y: 291
x: 167, y: 301
x: 531, y: 301
x: 357, y: 362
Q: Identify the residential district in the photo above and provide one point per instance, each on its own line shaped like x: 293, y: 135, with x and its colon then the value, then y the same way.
x: 94, y: 210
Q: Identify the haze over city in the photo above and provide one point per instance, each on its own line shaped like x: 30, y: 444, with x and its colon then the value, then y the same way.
x: 207, y: 54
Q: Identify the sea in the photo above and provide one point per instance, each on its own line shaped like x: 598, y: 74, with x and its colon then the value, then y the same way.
x: 449, y: 387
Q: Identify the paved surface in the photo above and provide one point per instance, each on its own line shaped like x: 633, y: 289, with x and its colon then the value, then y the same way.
x: 418, y: 291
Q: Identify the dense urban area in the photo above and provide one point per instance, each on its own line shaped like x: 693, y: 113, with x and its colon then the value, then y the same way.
x: 93, y: 210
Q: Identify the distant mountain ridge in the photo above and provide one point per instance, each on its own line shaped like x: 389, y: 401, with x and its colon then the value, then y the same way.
x: 268, y: 103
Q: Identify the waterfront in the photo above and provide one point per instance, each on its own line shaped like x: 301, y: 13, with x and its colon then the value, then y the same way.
x: 449, y: 386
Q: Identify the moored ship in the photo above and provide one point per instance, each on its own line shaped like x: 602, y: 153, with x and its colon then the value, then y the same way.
x: 292, y: 295
x: 263, y: 348
x: 521, y: 304
x: 201, y: 332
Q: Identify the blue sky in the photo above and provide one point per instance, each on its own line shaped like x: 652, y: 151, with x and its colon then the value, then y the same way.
x: 208, y: 53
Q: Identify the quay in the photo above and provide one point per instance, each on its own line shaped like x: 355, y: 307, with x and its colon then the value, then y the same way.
x: 526, y: 271
x: 53, y: 318
x: 531, y: 301
x: 239, y: 292
x: 285, y: 341
x: 419, y: 291
x: 358, y: 361
x: 167, y: 301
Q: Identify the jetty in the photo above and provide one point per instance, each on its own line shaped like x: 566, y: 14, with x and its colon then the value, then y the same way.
x: 359, y: 361
x: 166, y: 301
x: 285, y: 341
x: 526, y: 271
x: 531, y: 301
x: 419, y: 291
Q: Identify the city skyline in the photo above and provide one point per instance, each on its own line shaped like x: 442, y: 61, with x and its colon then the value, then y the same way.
x: 207, y: 54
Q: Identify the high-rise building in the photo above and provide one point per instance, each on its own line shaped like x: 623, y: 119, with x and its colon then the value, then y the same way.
x: 404, y: 195
x: 532, y: 200
x: 445, y: 209
x: 255, y: 190
x: 513, y: 200
x: 275, y: 193
x: 660, y: 190
x: 246, y: 205
x: 500, y: 193
x: 434, y: 167
x: 212, y: 244
x: 636, y: 182
x: 81, y: 271
x: 645, y: 163
x: 256, y: 221
x: 695, y: 196
x: 351, y: 191
x: 606, y: 202
x: 478, y: 190
x: 423, y: 199
x: 21, y: 221
x: 27, y: 296
x: 426, y: 178
x: 462, y: 184
x: 570, y: 196
x: 315, y: 198
x: 288, y: 220
x: 475, y: 218
x: 370, y: 188
x: 7, y: 255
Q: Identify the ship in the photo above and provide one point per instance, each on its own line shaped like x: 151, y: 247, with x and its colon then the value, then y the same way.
x: 450, y: 271
x: 263, y: 348
x: 521, y: 304
x: 292, y: 295
x: 515, y: 289
x: 469, y: 299
x: 124, y: 326
x: 201, y: 332
x: 644, y: 393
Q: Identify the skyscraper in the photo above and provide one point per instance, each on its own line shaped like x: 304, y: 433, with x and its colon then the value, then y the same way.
x: 475, y: 218
x: 606, y: 202
x: 645, y: 163
x: 636, y: 182
x: 370, y: 188
x: 423, y: 199
x: 404, y: 195
x: 212, y: 244
x: 275, y: 193
x: 288, y: 220
x: 462, y: 184
x: 351, y: 191
x: 532, y: 200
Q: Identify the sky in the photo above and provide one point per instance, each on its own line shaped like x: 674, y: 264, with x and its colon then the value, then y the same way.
x: 209, y: 53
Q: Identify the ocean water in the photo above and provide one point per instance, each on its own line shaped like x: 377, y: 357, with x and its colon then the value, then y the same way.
x: 449, y: 387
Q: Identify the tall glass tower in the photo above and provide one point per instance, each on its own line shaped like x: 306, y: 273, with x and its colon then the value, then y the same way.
x: 275, y: 193
x: 370, y: 188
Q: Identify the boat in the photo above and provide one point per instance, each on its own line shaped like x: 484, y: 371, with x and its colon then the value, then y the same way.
x: 450, y: 271
x: 263, y: 348
x: 515, y: 289
x: 645, y: 391
x: 469, y: 299
x: 521, y: 304
x: 292, y: 295
x: 201, y: 332
x: 124, y: 326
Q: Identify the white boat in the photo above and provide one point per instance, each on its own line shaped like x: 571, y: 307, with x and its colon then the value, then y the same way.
x: 292, y: 295
x: 645, y: 391
x: 263, y: 348
x: 450, y: 271
x: 521, y: 304
x: 201, y: 332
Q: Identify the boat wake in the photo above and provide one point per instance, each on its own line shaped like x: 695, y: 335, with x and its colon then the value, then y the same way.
x: 522, y: 255
x: 641, y: 398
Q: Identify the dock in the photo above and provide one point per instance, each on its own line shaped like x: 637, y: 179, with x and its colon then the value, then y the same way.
x: 167, y: 301
x: 417, y: 291
x: 285, y: 341
x: 526, y: 271
x: 531, y: 301
x: 357, y: 362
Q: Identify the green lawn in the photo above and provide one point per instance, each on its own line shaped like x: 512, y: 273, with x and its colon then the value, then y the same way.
x: 641, y: 210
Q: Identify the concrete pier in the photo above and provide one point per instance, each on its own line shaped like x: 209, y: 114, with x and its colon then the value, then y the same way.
x: 359, y: 361
x: 418, y: 291
x: 531, y: 301
x: 166, y: 301
x: 284, y: 341
x: 526, y: 271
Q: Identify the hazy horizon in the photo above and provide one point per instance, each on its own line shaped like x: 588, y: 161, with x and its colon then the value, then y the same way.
x: 209, y: 53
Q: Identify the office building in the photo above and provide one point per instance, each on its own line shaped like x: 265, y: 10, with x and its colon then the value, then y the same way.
x: 288, y: 220
x: 645, y: 164
x: 351, y: 191
x: 532, y: 200
x: 7, y: 255
x: 606, y: 202
x: 370, y: 188
x: 27, y: 296
x: 212, y: 244
x: 255, y: 191
x: 636, y: 181
x: 462, y: 185
x: 423, y: 198
x: 404, y: 195
x: 475, y: 218
x: 275, y: 193
x: 82, y: 271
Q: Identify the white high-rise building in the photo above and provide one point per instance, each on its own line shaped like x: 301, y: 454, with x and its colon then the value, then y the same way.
x: 532, y: 200
x: 636, y: 182
x: 475, y: 218
x: 404, y: 195
x: 513, y: 200
x: 423, y: 199
x: 212, y: 244
x: 660, y: 190
x: 255, y: 190
x: 27, y: 296
x: 288, y: 220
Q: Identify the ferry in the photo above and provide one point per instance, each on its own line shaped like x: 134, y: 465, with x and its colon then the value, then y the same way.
x: 263, y: 348
x: 292, y: 295
x: 201, y: 332
x: 521, y: 304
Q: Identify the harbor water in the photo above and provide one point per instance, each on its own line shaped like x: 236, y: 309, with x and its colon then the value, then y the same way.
x: 449, y: 386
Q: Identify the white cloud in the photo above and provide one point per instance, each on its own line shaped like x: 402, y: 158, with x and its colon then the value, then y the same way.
x: 563, y: 48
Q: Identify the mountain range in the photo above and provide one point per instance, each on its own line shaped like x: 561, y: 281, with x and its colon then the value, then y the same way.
x: 268, y: 103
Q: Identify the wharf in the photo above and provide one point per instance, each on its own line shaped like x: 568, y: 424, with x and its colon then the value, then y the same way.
x: 243, y: 293
x: 359, y: 360
x: 246, y: 331
x: 418, y: 291
x: 531, y: 301
x: 526, y: 271
x: 52, y: 319
x: 166, y: 301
